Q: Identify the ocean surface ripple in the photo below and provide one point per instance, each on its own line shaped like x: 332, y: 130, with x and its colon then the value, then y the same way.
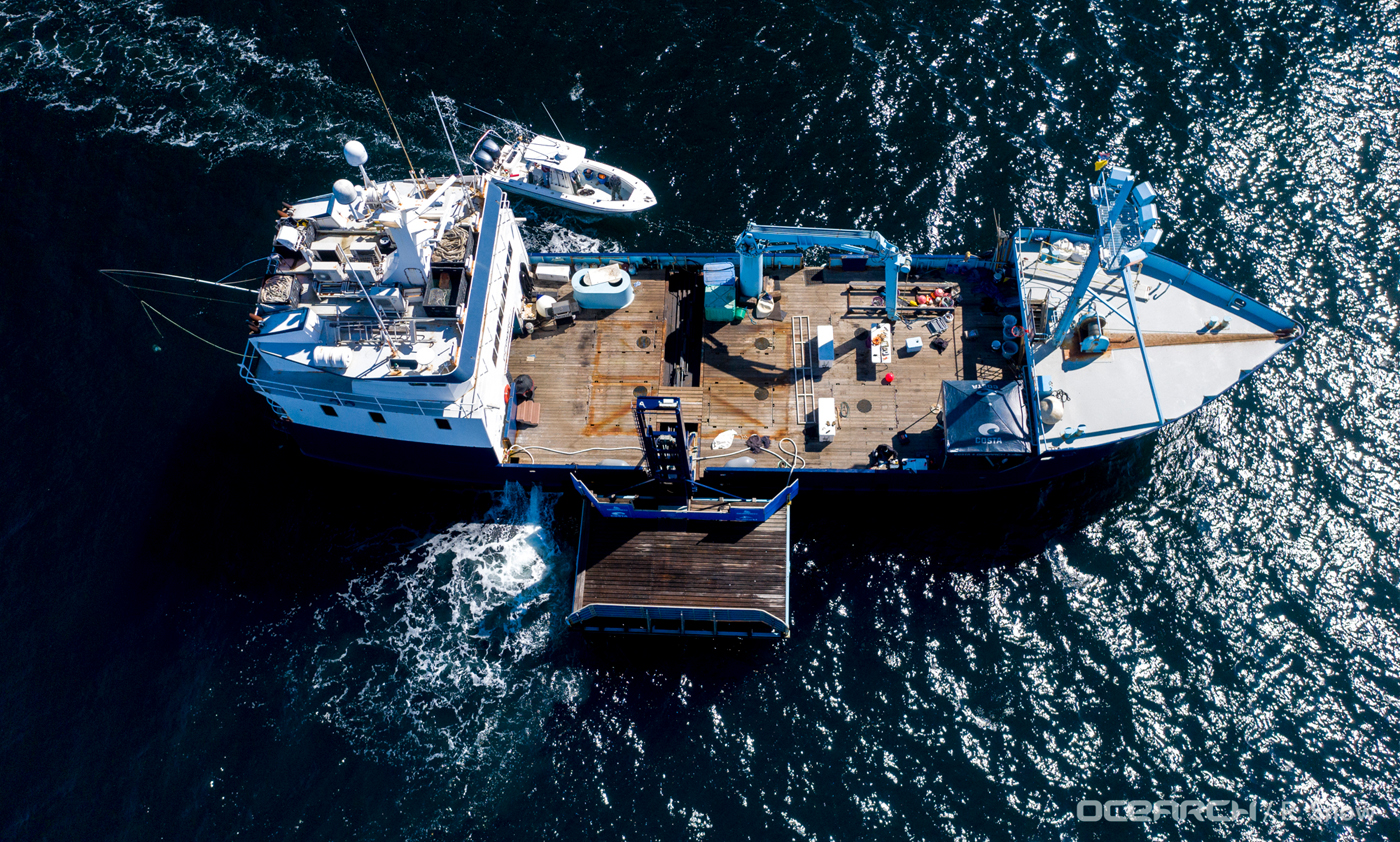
x: 247, y: 643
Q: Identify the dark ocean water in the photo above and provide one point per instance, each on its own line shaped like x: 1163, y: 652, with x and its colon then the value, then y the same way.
x: 204, y: 635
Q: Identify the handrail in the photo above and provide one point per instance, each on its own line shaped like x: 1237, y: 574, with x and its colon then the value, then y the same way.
x: 431, y: 409
x: 269, y: 388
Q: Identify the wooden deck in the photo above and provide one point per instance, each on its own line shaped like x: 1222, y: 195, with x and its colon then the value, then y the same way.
x: 728, y: 571
x: 586, y: 374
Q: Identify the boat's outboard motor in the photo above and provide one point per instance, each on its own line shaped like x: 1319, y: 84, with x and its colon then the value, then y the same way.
x: 483, y: 159
x: 486, y: 154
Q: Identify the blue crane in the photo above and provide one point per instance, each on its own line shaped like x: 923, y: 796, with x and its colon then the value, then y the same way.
x: 758, y: 240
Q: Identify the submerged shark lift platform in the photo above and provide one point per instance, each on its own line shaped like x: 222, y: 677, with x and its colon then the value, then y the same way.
x: 657, y: 559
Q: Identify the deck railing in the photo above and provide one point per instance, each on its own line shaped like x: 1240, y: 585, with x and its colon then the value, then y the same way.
x: 272, y: 389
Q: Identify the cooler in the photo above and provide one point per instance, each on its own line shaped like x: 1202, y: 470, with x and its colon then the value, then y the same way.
x: 719, y: 292
x: 826, y: 419
x: 826, y: 347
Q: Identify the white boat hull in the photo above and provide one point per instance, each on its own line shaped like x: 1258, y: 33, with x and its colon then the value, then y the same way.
x: 598, y: 202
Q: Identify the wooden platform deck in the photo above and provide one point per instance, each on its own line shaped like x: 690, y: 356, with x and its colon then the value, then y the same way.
x: 720, y: 577
x: 586, y: 374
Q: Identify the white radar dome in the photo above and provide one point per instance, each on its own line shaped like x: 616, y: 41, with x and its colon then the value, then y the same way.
x: 355, y: 154
x: 344, y: 191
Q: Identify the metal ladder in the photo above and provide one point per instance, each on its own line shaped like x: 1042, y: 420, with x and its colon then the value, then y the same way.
x: 667, y: 453
x: 803, y: 387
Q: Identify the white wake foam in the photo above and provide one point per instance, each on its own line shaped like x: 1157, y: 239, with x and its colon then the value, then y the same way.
x: 428, y: 661
x: 179, y: 81
x: 549, y: 236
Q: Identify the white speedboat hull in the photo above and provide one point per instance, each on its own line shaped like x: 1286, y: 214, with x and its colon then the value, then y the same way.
x: 594, y: 199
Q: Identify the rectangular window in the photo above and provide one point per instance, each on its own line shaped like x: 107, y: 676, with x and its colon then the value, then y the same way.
x: 329, y: 410
x: 376, y: 417
x: 442, y: 424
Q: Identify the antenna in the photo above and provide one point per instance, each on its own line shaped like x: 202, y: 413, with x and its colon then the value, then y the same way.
x: 551, y: 119
x: 493, y: 116
x: 382, y: 102
x: 446, y: 132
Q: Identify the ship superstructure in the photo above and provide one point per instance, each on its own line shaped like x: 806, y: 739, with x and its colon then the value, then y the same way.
x: 384, y: 334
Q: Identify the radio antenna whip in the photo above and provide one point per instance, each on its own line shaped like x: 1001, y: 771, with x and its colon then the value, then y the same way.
x: 495, y: 117
x: 551, y: 119
x: 392, y: 124
x: 446, y: 132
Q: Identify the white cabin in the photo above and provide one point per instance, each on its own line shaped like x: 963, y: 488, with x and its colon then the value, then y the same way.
x: 390, y: 317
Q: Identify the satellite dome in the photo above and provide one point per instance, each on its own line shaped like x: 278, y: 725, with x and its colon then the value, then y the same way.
x: 355, y: 154
x: 344, y: 191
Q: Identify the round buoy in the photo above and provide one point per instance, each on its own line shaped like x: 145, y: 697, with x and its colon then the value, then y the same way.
x: 889, y: 377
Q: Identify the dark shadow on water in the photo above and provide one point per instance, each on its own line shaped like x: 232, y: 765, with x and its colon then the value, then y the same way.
x: 971, y: 530
x: 245, y: 508
x: 850, y: 547
x: 704, y: 661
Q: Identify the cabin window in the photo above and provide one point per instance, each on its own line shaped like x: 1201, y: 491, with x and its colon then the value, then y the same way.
x: 329, y: 410
x: 443, y: 424
x: 376, y: 417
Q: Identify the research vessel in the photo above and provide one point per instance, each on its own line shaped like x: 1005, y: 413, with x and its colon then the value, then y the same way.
x: 686, y: 396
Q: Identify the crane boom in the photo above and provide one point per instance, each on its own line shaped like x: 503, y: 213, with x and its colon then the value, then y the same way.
x: 758, y: 240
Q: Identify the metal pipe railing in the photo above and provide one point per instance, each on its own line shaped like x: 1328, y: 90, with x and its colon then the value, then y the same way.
x: 270, y: 388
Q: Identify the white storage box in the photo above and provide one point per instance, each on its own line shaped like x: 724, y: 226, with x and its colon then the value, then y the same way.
x: 826, y: 419
x: 913, y: 345
x: 387, y: 299
x: 553, y: 274
x: 826, y: 347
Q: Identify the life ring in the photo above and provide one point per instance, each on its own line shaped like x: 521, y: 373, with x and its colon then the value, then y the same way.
x: 1016, y: 332
x: 507, y: 397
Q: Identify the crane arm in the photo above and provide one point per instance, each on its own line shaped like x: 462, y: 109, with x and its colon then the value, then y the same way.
x: 758, y: 240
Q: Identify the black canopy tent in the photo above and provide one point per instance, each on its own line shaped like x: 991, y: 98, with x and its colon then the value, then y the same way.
x: 982, y: 417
